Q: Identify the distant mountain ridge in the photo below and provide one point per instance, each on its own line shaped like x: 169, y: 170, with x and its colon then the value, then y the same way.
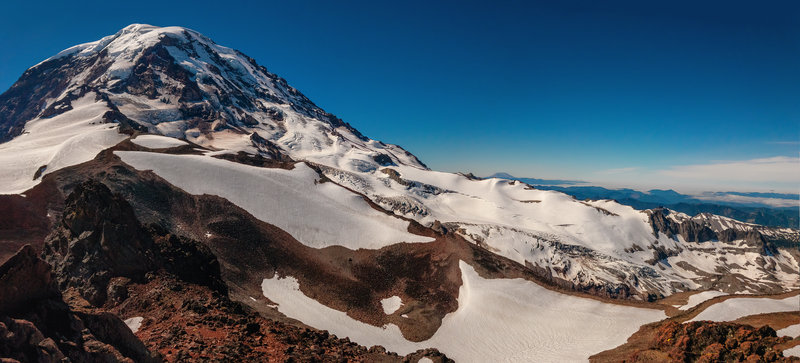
x: 751, y: 212
x: 532, y: 181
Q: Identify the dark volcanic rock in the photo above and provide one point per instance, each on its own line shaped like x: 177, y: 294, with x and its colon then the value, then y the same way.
x: 98, y: 238
x: 700, y: 341
x: 113, y: 331
x: 187, y: 259
x: 693, y: 231
x: 36, y: 325
x: 752, y: 238
x: 269, y: 149
x: 690, y: 230
x: 659, y: 222
x: 196, y: 324
x: 24, y: 278
x: 433, y: 354
x: 384, y: 160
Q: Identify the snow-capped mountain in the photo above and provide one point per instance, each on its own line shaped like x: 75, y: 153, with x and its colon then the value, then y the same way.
x: 308, y: 219
x: 175, y: 82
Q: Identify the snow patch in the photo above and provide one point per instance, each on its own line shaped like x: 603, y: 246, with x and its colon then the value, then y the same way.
x: 391, y: 304
x: 134, y: 323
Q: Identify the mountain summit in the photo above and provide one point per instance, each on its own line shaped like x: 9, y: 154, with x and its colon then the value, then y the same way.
x: 176, y: 82
x: 165, y: 75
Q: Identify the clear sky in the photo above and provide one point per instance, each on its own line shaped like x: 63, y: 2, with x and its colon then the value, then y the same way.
x: 637, y: 93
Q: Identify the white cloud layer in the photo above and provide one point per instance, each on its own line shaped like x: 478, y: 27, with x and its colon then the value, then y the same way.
x: 775, y: 202
x: 778, y: 169
x: 779, y: 173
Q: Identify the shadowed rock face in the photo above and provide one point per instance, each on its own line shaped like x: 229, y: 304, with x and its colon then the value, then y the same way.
x: 24, y: 278
x: 26, y: 97
x: 36, y: 325
x: 693, y: 231
x: 689, y: 230
x: 99, y: 238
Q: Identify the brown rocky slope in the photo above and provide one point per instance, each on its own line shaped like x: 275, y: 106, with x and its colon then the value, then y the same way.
x: 174, y: 285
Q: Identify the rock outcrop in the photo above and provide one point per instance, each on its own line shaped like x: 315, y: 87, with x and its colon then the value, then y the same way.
x: 99, y: 239
x: 700, y: 341
x: 36, y: 325
x: 705, y: 341
x: 691, y: 231
x: 25, y: 278
x: 694, y: 231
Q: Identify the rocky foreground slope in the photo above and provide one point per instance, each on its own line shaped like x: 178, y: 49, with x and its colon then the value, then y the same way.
x: 103, y: 265
x: 177, y: 184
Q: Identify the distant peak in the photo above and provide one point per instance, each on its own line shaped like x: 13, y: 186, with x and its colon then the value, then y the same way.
x: 502, y: 175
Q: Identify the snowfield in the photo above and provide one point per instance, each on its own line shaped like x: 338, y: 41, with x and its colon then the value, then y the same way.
x: 316, y: 214
x: 71, y: 138
x: 587, y: 242
x: 496, y: 320
x: 735, y: 308
x: 157, y: 141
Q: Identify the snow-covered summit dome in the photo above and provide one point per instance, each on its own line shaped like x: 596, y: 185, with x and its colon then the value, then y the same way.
x: 176, y: 82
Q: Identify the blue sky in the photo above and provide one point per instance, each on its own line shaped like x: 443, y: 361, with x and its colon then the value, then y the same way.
x: 674, y: 94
